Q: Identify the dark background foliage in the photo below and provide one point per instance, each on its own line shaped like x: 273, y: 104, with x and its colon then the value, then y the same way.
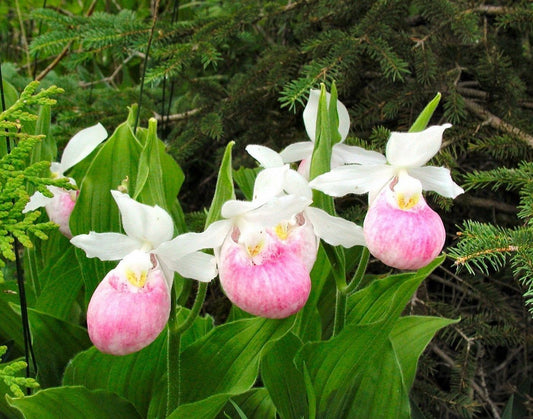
x: 241, y: 70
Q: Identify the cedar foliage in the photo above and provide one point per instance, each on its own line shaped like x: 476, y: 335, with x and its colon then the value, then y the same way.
x: 241, y: 70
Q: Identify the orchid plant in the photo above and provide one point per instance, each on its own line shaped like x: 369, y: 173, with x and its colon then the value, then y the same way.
x: 314, y: 337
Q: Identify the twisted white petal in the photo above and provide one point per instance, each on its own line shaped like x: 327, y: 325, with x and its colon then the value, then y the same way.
x: 414, y: 149
x: 335, y: 230
x: 152, y: 225
x: 311, y: 112
x: 265, y: 156
x: 437, y: 179
x: 106, y: 246
x: 81, y: 145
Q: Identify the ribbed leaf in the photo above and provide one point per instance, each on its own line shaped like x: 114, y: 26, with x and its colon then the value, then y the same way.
x: 74, y: 402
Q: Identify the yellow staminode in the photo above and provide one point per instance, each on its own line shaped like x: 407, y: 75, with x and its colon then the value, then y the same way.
x: 282, y: 230
x: 405, y: 203
x: 255, y: 249
x: 136, y: 278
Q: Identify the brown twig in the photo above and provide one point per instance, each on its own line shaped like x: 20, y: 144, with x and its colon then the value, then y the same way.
x: 496, y: 122
x: 63, y: 53
x: 176, y: 116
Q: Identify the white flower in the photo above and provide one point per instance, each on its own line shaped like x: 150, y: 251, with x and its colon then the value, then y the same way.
x: 406, y: 153
x: 334, y: 230
x: 150, y: 229
x: 340, y: 153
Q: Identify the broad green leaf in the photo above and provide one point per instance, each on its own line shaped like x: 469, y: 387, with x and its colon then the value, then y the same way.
x: 254, y: 404
x: 47, y: 148
x: 62, y: 285
x: 224, y: 189
x: 409, y: 337
x: 145, y: 368
x: 206, y: 408
x: 55, y: 342
x: 373, y: 303
x: 226, y: 360
x: 283, y: 381
x: 423, y: 119
x: 74, y: 402
x: 11, y: 323
x: 358, y: 373
x: 159, y: 177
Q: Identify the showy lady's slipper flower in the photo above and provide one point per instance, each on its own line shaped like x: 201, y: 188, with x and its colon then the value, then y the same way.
x: 131, y: 305
x: 340, y: 153
x: 60, y: 206
x: 400, y: 228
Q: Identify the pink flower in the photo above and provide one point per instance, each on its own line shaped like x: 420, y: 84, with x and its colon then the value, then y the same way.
x: 267, y: 273
x: 130, y: 307
x: 400, y: 228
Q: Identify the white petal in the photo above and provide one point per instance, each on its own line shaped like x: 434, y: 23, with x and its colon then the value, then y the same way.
x: 270, y: 183
x: 297, y: 151
x: 311, y: 111
x: 277, y: 210
x: 352, y: 154
x: 235, y: 207
x: 335, y: 230
x: 187, y: 243
x: 437, y: 179
x: 81, y: 145
x: 197, y: 265
x: 37, y: 200
x: 296, y: 184
x: 356, y: 179
x: 414, y: 149
x: 106, y: 246
x: 264, y: 155
x: 144, y: 222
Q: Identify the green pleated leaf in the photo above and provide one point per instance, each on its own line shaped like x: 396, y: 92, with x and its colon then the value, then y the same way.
x: 226, y: 360
x: 374, y: 302
x: 224, y: 189
x: 47, y: 148
x: 206, y: 408
x: 94, y: 369
x: 74, y: 402
x: 283, y: 381
x: 10, y: 323
x: 55, y: 342
x: 159, y: 177
x: 409, y: 338
x: 254, y: 404
x: 423, y: 119
x: 62, y: 283
x: 359, y: 373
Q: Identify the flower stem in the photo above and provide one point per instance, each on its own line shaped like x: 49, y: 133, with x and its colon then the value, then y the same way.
x: 355, y: 283
x: 340, y: 312
x: 175, y: 330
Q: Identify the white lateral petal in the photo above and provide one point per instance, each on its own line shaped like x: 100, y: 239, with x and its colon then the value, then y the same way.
x: 353, y: 154
x: 297, y: 185
x: 197, y: 265
x: 37, y: 200
x: 297, y: 151
x: 437, y: 179
x: 355, y: 179
x: 270, y: 183
x: 81, y: 145
x: 236, y: 207
x: 414, y: 149
x: 311, y: 112
x: 187, y: 243
x: 264, y: 155
x: 144, y: 222
x: 277, y: 210
x: 106, y: 246
x: 335, y: 230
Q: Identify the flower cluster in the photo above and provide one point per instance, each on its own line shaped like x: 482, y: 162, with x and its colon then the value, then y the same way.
x: 264, y: 248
